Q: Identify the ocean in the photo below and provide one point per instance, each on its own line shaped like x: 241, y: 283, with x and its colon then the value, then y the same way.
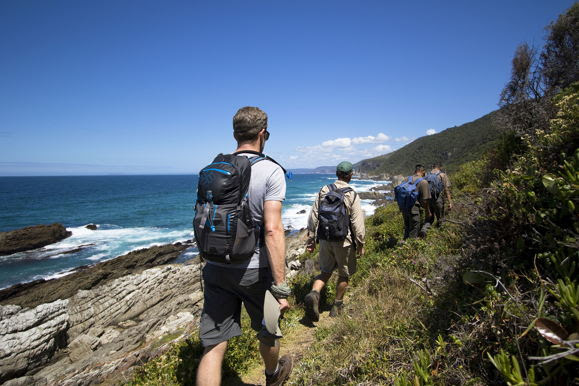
x: 131, y: 212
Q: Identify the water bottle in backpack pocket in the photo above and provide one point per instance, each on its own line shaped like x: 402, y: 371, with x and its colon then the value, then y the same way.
x: 224, y: 229
x: 225, y: 233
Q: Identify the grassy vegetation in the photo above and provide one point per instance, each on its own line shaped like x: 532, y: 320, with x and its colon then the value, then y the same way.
x: 386, y: 322
x: 178, y: 365
x: 492, y: 298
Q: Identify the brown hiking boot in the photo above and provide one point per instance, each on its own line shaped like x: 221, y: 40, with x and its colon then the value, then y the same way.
x: 336, y: 309
x: 312, y: 301
x: 282, y: 373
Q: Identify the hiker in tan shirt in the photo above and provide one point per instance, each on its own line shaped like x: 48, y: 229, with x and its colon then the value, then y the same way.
x: 439, y: 205
x: 341, y: 254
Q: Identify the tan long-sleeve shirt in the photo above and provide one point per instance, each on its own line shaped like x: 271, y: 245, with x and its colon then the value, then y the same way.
x: 353, y: 208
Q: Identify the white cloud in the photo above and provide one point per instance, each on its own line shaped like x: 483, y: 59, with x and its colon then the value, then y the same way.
x: 402, y: 139
x: 381, y: 137
x: 338, y: 142
x: 352, y: 148
x: 430, y: 131
x: 360, y: 140
x: 293, y: 157
x: 383, y: 148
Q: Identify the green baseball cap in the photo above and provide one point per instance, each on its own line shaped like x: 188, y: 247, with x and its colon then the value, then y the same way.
x: 344, y: 167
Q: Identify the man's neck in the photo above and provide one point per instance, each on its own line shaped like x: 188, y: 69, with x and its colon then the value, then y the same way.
x: 248, y: 147
x: 435, y: 170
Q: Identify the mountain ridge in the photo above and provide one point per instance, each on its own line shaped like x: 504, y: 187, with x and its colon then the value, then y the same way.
x: 452, y: 147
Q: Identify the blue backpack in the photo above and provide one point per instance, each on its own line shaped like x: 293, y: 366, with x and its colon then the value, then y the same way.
x: 435, y: 184
x: 406, y: 194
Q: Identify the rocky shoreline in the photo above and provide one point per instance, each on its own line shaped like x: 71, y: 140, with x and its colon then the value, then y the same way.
x: 32, y: 237
x: 96, y: 324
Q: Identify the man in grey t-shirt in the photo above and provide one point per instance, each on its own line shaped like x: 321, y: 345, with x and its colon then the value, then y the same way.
x: 227, y: 286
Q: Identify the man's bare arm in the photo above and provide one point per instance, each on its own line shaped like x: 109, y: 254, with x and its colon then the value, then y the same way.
x: 275, y: 240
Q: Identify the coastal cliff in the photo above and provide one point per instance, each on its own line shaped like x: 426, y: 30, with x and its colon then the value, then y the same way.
x: 97, y: 323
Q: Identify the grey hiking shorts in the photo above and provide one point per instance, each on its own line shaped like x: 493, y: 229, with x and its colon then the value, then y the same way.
x: 225, y: 289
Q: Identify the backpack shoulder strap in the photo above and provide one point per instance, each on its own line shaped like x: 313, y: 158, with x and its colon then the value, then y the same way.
x: 347, y: 189
x: 261, y: 157
x: 254, y: 160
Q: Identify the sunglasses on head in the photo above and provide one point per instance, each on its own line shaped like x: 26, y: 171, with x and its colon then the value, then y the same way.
x: 266, y: 134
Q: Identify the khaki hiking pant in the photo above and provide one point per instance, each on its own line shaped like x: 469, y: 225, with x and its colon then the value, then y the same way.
x: 334, y: 255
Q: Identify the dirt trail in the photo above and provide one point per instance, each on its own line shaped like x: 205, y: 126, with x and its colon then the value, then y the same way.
x: 295, y: 342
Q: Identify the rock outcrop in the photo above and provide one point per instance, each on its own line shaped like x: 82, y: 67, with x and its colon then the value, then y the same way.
x: 111, y: 317
x: 46, y: 291
x: 104, y: 330
x: 371, y: 195
x: 30, y: 337
x: 386, y: 187
x: 33, y: 237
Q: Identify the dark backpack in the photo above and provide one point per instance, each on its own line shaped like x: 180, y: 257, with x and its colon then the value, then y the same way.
x: 333, y: 219
x: 406, y: 194
x: 435, y: 184
x: 224, y: 229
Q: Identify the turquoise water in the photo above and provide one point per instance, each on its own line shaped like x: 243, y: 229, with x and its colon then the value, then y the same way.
x: 131, y: 212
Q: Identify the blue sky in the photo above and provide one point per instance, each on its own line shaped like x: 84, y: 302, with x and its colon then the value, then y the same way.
x: 140, y: 87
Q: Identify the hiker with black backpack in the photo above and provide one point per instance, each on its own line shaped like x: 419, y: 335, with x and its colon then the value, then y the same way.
x: 337, y: 221
x: 440, y: 197
x: 412, y: 196
x: 239, y: 233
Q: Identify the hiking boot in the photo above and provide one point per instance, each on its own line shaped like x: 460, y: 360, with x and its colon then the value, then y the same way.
x: 336, y: 309
x: 312, y: 301
x: 284, y: 369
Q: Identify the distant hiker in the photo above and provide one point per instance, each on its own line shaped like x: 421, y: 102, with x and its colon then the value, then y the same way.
x: 337, y: 222
x: 412, y: 196
x: 440, y: 197
x: 240, y: 234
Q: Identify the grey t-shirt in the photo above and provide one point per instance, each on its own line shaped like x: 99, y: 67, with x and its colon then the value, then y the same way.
x: 267, y: 184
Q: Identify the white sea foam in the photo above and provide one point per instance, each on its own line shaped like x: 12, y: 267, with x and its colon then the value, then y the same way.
x: 99, y: 257
x: 109, y: 243
x: 380, y: 182
x: 367, y: 187
x: 53, y: 275
x: 367, y: 207
x: 294, y: 220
